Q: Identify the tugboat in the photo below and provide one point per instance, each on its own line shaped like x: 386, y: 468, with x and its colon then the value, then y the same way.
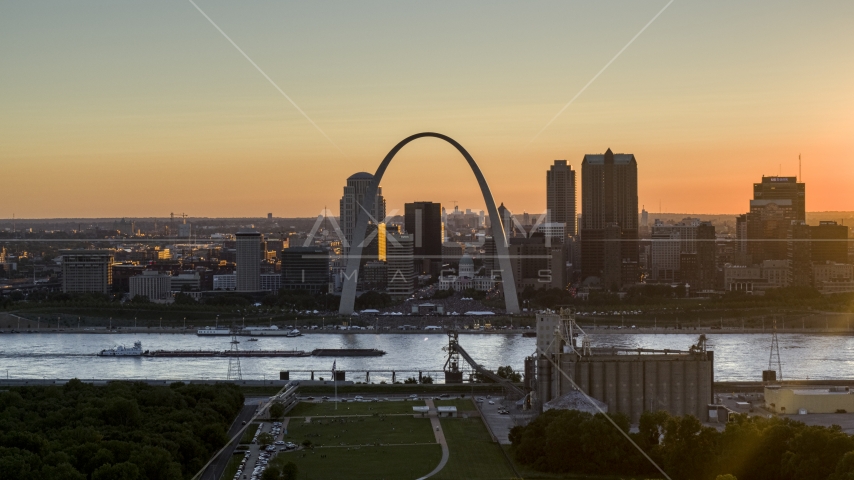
x: 122, y: 351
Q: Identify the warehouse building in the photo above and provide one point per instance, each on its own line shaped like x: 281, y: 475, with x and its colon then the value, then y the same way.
x: 794, y: 400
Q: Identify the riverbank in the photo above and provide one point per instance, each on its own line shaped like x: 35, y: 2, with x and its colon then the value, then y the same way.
x: 587, y: 329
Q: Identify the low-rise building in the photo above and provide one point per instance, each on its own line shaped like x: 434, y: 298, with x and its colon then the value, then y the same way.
x: 225, y: 282
x: 804, y: 400
x: 152, y: 284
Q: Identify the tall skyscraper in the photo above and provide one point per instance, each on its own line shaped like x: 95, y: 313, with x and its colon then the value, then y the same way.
x: 799, y: 254
x: 560, y: 195
x: 248, y: 258
x: 353, y: 202
x: 423, y: 220
x: 399, y: 265
x: 87, y: 271
x: 609, y: 198
x: 783, y: 188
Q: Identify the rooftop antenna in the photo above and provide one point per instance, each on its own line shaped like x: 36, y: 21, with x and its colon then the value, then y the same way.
x: 800, y: 177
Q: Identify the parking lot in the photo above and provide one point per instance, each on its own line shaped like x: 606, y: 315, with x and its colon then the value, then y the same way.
x: 256, y: 458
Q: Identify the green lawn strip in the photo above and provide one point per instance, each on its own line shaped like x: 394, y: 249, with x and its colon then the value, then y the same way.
x: 310, y: 409
x: 232, y: 466
x: 361, y: 431
x: 529, y: 473
x: 249, y: 433
x: 366, y: 463
x: 473, y: 455
x: 462, y: 404
x: 378, y: 390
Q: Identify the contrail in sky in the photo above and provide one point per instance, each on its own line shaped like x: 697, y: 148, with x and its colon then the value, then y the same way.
x: 267, y: 77
x: 600, y: 71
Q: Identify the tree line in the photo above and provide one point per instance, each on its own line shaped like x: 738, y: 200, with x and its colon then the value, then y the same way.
x: 748, y: 448
x: 123, y: 431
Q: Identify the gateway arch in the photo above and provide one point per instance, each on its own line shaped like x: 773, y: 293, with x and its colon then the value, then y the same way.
x: 348, y: 295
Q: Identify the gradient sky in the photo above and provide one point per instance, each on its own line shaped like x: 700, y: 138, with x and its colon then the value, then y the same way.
x: 141, y: 108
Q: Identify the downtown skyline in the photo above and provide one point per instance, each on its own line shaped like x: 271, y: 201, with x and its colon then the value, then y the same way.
x: 138, y: 110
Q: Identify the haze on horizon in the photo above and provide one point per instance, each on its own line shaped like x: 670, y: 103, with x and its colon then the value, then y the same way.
x: 138, y: 109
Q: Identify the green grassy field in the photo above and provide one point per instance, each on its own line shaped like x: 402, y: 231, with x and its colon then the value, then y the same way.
x: 378, y: 390
x: 232, y: 467
x: 366, y: 463
x: 311, y: 409
x: 473, y: 455
x: 361, y: 431
x: 249, y: 433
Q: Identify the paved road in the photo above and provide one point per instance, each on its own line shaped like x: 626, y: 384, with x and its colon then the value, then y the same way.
x: 215, y: 470
x: 440, y: 439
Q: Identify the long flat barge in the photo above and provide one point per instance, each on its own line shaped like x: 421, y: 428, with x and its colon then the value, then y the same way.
x: 226, y: 353
x: 320, y: 352
x: 347, y: 352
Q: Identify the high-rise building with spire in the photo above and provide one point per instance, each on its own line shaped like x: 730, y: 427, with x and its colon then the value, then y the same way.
x: 353, y: 202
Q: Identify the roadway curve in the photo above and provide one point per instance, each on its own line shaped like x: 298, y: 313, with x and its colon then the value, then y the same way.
x: 440, y: 439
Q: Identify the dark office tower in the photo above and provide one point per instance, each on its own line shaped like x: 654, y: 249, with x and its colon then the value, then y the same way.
x: 248, y: 260
x: 829, y: 243
x: 305, y: 268
x: 741, y: 255
x: 707, y: 271
x: 767, y: 229
x: 560, y: 195
x: 353, y: 203
x: 612, y: 262
x: 783, y: 188
x: 799, y: 254
x: 609, y: 196
x: 423, y: 221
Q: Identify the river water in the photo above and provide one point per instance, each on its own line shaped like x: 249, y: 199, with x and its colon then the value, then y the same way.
x: 738, y: 357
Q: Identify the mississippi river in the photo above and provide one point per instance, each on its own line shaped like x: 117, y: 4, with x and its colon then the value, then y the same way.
x: 738, y: 357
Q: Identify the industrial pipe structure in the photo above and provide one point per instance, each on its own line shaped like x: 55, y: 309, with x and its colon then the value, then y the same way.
x: 348, y: 295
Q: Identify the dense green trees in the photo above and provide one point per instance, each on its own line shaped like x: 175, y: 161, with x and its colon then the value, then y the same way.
x: 752, y: 448
x: 280, y: 469
x: 124, y: 431
x: 373, y: 299
x: 277, y: 410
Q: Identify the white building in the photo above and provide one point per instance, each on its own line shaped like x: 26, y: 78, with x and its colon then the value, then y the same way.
x: 553, y: 230
x: 832, y: 277
x: 756, y: 278
x: 466, y: 278
x: 664, y: 254
x: 669, y: 241
x: 152, y: 284
x: 189, y: 281
x: 225, y: 282
x: 271, y: 282
x: 399, y: 261
x: 86, y: 271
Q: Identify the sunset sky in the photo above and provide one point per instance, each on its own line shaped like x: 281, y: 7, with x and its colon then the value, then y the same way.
x: 138, y: 109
